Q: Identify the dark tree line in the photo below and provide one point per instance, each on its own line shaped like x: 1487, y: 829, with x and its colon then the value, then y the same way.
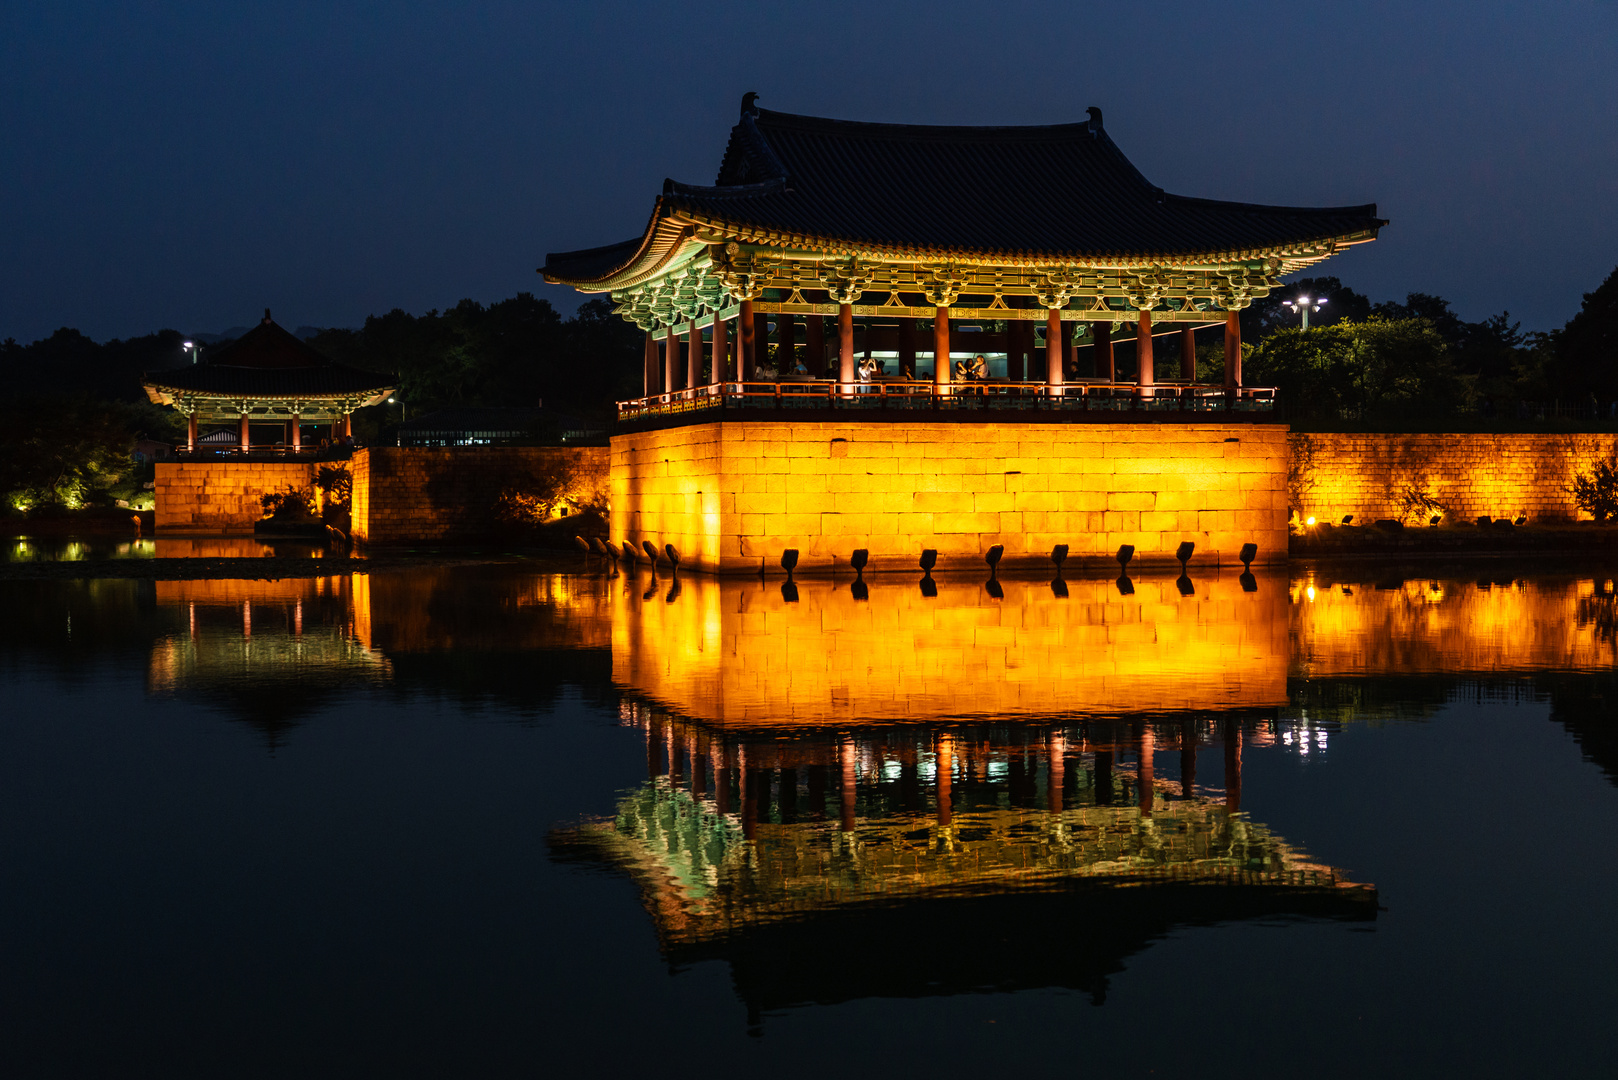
x: 1418, y: 362
x: 514, y: 352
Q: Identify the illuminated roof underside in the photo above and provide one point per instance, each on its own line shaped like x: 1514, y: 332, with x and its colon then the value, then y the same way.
x: 805, y: 202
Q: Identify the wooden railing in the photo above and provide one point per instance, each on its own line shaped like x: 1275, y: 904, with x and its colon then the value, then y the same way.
x: 988, y: 395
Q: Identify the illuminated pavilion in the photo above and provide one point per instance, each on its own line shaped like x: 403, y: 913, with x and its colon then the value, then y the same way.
x: 925, y: 248
x: 988, y: 235
x: 268, y: 376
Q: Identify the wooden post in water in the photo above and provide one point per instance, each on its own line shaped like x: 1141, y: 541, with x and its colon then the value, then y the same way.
x: 845, y: 758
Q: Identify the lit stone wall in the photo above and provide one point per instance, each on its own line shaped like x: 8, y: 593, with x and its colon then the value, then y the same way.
x: 733, y: 496
x: 406, y: 494
x: 727, y: 651
x: 1500, y: 475
x: 220, y: 496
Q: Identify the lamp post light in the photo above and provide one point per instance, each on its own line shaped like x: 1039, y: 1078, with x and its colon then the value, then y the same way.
x: 1303, y: 305
x: 404, y: 410
x: 194, y: 349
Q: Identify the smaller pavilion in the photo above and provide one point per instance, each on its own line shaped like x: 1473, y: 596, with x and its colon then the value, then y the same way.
x: 268, y: 376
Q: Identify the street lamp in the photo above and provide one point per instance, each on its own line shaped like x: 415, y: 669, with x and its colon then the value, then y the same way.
x: 404, y: 410
x: 194, y: 349
x: 1304, y: 306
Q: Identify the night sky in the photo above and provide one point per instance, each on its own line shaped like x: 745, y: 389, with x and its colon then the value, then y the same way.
x: 187, y: 165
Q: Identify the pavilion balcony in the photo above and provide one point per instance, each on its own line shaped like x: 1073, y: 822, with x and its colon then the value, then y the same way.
x: 1116, y: 402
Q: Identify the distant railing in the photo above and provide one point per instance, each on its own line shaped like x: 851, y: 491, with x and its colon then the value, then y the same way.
x: 266, y: 452
x: 979, y: 396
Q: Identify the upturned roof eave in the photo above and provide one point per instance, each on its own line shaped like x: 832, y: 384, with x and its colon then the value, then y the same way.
x: 673, y: 230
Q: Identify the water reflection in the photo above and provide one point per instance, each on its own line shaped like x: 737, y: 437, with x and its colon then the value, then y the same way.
x: 740, y: 652
x: 1066, y: 845
x: 24, y: 549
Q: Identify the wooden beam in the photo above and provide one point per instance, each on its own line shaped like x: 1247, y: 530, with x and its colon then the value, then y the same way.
x: 1105, y: 368
x: 1188, y: 354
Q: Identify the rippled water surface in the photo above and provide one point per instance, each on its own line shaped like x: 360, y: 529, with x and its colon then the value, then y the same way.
x: 477, y: 821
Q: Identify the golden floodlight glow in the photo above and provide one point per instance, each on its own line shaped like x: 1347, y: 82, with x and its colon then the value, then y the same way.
x: 740, y: 652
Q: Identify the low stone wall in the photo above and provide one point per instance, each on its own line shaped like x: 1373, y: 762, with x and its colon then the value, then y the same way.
x: 220, y: 496
x: 404, y: 494
x: 732, y: 496
x: 1375, y: 476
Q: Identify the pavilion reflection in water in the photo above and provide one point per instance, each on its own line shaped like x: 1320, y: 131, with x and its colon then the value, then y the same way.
x: 947, y: 858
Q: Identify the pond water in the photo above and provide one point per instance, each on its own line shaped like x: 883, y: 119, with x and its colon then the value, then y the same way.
x: 477, y: 821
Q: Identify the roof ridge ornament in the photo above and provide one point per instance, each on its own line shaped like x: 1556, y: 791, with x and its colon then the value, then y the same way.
x: 1095, y: 119
x: 750, y: 104
x: 267, y: 319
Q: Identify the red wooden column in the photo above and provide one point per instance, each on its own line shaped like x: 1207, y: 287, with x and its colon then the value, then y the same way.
x: 1145, y: 376
x: 1233, y: 350
x: 945, y: 769
x: 671, y: 359
x: 348, y: 425
x: 746, y: 341
x: 845, y: 347
x: 191, y: 432
x: 1070, y: 348
x: 650, y: 385
x: 1102, y: 332
x: 941, y: 372
x: 721, y: 350
x: 786, y: 351
x: 297, y: 432
x: 1016, y: 355
x: 814, y: 344
x: 1188, y: 357
x: 243, y: 437
x: 1053, y: 351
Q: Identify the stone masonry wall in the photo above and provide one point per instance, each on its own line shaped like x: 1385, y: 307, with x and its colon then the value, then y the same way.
x: 220, y: 496
x: 404, y: 494
x: 1370, y: 475
x: 732, y: 496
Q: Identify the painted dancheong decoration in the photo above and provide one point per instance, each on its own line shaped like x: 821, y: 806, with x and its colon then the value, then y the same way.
x: 971, y: 231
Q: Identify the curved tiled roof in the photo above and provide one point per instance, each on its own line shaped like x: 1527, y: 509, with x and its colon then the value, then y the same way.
x: 268, y: 362
x: 1059, y: 192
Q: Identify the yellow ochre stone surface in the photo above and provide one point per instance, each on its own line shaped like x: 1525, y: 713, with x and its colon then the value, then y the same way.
x: 220, y: 496
x: 1372, y: 476
x: 732, y: 496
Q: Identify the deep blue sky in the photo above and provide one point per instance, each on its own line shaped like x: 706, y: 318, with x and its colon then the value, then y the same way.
x: 185, y: 165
